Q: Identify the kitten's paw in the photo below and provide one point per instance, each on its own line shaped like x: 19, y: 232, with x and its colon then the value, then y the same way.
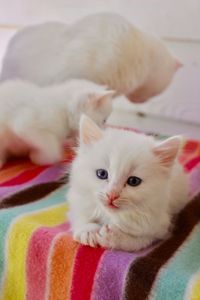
x: 106, y: 236
x: 87, y: 235
x: 111, y: 237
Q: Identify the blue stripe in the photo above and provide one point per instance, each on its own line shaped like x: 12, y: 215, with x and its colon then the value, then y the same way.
x: 8, y: 215
x: 173, y: 278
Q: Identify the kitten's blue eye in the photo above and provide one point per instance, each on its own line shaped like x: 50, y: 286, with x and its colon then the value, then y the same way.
x: 102, y: 174
x: 134, y: 181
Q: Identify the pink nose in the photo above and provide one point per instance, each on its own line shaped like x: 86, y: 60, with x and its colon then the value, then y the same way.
x: 112, y: 197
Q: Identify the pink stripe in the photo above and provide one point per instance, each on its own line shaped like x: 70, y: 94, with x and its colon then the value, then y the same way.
x: 23, y: 176
x: 192, y: 163
x: 50, y: 174
x: 37, y: 260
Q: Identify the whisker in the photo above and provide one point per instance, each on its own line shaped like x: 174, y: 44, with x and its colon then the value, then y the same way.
x: 101, y: 195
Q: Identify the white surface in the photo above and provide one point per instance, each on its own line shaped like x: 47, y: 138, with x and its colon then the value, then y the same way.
x: 153, y: 125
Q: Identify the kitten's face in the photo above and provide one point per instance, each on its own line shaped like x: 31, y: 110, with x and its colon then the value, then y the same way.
x: 122, y: 170
x: 126, y: 178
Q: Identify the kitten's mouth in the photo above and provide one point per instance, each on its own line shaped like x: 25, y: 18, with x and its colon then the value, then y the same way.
x: 112, y: 205
x: 111, y: 200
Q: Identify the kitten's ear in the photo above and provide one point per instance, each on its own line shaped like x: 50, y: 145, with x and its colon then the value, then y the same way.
x: 168, y: 150
x: 89, y: 131
x: 100, y: 98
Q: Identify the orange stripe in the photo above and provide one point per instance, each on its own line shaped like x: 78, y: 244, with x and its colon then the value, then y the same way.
x: 61, y: 267
x: 14, y: 171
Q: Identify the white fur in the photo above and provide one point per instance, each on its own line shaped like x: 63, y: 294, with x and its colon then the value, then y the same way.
x: 35, y: 121
x: 104, y: 48
x: 143, y: 213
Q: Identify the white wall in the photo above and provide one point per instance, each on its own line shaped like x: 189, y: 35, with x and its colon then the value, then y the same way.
x: 179, y: 18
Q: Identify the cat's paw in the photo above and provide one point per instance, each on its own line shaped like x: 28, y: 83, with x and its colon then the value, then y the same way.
x: 107, y: 236
x: 87, y: 235
x: 111, y: 237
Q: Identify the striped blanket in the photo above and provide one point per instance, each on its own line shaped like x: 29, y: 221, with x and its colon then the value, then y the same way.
x: 39, y: 260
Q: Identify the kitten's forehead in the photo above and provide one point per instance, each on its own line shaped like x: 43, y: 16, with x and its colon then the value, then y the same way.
x: 125, y: 150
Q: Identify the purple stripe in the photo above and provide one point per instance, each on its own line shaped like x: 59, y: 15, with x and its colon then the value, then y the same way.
x: 50, y: 174
x: 110, y: 275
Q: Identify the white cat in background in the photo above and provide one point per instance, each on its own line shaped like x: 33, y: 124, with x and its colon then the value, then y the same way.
x: 35, y: 121
x: 124, y: 188
x: 104, y: 47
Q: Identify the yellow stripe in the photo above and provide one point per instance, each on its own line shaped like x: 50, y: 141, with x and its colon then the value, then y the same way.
x: 195, y: 294
x: 18, y: 241
x: 14, y: 171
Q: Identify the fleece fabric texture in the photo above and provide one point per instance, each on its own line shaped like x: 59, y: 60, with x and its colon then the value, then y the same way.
x: 40, y: 261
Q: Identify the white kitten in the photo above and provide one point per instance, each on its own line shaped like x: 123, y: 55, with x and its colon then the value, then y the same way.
x: 36, y: 120
x: 124, y: 188
x: 103, y: 47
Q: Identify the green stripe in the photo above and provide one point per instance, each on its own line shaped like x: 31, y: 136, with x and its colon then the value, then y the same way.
x: 173, y: 278
x: 7, y: 216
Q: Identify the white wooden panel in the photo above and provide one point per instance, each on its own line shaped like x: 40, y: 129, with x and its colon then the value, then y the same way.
x: 171, y: 18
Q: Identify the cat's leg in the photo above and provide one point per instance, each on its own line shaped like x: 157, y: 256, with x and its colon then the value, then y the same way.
x: 45, y: 149
x: 109, y: 236
x: 83, y: 226
x: 87, y: 234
